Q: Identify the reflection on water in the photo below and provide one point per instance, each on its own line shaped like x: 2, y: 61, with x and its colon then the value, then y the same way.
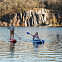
x: 12, y: 47
x: 12, y: 53
x: 24, y: 51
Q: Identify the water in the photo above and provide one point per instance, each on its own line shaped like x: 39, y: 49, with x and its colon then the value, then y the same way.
x: 24, y: 51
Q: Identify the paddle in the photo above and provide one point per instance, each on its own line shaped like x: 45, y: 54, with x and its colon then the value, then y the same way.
x: 29, y: 33
x: 17, y: 36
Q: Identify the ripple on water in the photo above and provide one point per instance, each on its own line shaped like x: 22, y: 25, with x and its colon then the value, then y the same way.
x: 24, y: 50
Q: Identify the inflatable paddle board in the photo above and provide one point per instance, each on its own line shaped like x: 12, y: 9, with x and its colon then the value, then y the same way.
x: 12, y: 40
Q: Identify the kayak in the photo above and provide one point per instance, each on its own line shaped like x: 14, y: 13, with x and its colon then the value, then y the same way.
x: 38, y: 41
x: 12, y: 40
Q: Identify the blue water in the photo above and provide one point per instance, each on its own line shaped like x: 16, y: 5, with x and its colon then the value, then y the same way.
x: 24, y: 51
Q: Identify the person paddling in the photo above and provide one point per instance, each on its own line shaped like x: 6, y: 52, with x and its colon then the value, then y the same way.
x: 36, y: 39
x: 12, y: 40
x: 36, y: 36
x: 11, y: 28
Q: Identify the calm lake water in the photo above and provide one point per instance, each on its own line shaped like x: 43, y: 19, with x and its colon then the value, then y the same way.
x: 24, y: 51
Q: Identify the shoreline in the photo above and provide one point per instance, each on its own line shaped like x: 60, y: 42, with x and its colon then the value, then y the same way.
x: 34, y: 26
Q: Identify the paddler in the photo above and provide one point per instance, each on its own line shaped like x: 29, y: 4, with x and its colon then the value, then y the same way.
x: 11, y: 28
x: 12, y: 40
x: 36, y: 36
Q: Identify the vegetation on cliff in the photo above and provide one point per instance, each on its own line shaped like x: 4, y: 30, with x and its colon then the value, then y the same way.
x: 11, y: 6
